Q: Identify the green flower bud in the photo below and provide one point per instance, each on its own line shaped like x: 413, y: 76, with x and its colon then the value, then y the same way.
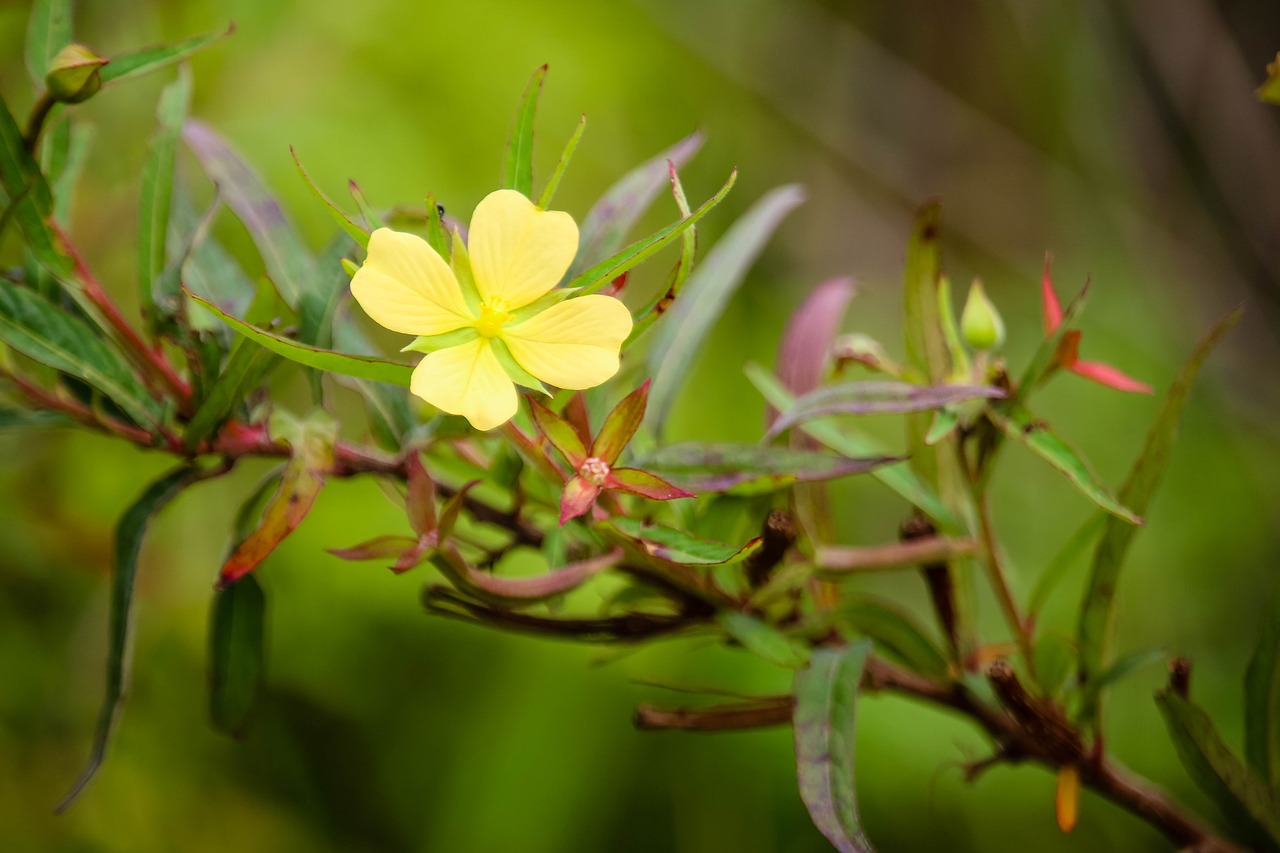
x: 980, y: 322
x: 74, y: 74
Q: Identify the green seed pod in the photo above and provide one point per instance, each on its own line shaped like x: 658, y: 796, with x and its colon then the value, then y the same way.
x: 75, y: 74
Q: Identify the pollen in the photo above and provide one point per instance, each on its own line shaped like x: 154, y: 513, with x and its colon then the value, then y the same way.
x: 492, y: 319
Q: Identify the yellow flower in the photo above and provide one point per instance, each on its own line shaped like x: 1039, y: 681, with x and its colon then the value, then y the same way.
x: 493, y: 319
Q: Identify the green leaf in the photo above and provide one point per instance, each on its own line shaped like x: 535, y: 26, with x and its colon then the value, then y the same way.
x: 319, y: 305
x: 284, y: 254
x: 21, y: 419
x: 896, y: 632
x: 40, y: 330
x: 64, y: 178
x: 517, y: 169
x: 1270, y: 89
x: 153, y: 58
x: 874, y: 398
x: 558, y: 431
x: 1136, y: 493
x: 236, y: 652
x: 620, y: 425
x: 549, y: 191
x: 48, y: 31
x: 1062, y: 563
x: 1024, y: 428
x: 677, y: 546
x: 826, y: 696
x: 1118, y: 671
x: 764, y: 640
x: 610, y: 219
x: 157, y: 190
x: 207, y: 269
x: 707, y: 292
x: 1262, y: 701
x: 717, y: 467
x: 358, y: 232
x: 926, y: 345
x: 33, y: 201
x: 848, y: 443
x: 603, y: 273
x: 361, y: 367
x: 1242, y: 796
x: 128, y: 544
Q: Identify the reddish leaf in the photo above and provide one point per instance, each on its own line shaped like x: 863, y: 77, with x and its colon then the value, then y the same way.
x: 578, y: 497
x: 375, y: 549
x: 576, y: 414
x: 810, y: 333
x: 1050, y: 307
x: 539, y: 587
x: 420, y: 502
x: 644, y: 484
x: 414, y: 554
x: 621, y: 425
x: 1105, y: 374
x: 452, y: 508
x: 558, y: 431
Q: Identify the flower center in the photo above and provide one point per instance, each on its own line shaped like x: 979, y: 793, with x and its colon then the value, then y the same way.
x: 594, y: 470
x: 492, y: 318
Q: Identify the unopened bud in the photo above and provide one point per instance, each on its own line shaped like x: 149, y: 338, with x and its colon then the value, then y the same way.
x: 75, y: 74
x: 980, y: 322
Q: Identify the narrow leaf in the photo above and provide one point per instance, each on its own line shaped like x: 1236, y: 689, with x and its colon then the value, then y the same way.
x: 237, y: 640
x: 714, y: 467
x: 154, y: 58
x: 603, y: 273
x: 607, y: 224
x: 517, y: 170
x: 345, y: 222
x: 285, y: 255
x: 48, y: 31
x: 677, y: 546
x: 361, y: 367
x: 1023, y: 427
x: 896, y: 632
x: 1262, y: 701
x: 378, y: 548
x: 708, y: 291
x: 1137, y: 492
x: 1216, y: 770
x: 805, y: 351
x: 128, y: 545
x: 1060, y: 566
x: 875, y: 398
x: 23, y: 182
x: 157, y: 190
x: 764, y: 640
x: 41, y: 330
x: 620, y: 425
x: 826, y: 696
x: 561, y: 435
x: 566, y: 156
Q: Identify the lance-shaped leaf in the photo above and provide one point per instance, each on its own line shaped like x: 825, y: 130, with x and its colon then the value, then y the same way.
x: 849, y: 443
x: 32, y: 200
x: 48, y: 31
x: 357, y: 232
x: 566, y: 156
x: 620, y: 425
x: 896, y: 632
x: 764, y: 640
x: 876, y: 398
x: 128, y: 544
x: 557, y: 430
x: 596, y: 277
x: 311, y: 457
x: 826, y: 695
x: 420, y: 496
x: 21, y: 419
x: 149, y: 59
x: 237, y: 640
x: 157, y: 190
x: 1249, y: 803
x: 805, y: 351
x: 706, y: 294
x: 207, y: 269
x: 361, y: 367
x: 517, y: 167
x: 607, y: 224
x: 284, y: 254
x: 676, y: 546
x: 1023, y: 427
x: 377, y: 548
x: 41, y: 330
x: 718, y: 467
x: 1062, y: 563
x: 525, y: 591
x: 1137, y: 492
x: 1262, y: 701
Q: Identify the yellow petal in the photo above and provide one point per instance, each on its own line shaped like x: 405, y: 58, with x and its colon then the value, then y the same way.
x: 467, y: 380
x: 519, y: 252
x: 573, y: 344
x: 407, y: 287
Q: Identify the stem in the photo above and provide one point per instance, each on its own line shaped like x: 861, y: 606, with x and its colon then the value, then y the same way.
x: 35, y: 123
x: 1000, y: 583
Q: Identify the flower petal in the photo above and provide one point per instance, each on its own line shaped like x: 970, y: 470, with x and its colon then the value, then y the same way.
x: 574, y: 344
x: 467, y: 380
x: 407, y: 287
x: 519, y: 252
x: 578, y: 497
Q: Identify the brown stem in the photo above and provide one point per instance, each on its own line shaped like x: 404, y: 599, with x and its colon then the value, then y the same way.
x: 769, y: 711
x: 35, y: 123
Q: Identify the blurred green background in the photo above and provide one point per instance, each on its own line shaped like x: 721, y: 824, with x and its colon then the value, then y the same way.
x: 1121, y: 135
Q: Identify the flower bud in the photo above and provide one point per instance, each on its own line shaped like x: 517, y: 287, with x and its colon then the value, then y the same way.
x: 74, y: 74
x: 980, y: 322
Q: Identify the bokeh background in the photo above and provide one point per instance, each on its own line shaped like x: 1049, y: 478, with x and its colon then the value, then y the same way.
x: 1121, y: 134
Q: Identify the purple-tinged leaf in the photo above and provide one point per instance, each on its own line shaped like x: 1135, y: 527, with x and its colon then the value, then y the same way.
x: 575, y: 412
x: 811, y: 331
x: 826, y: 695
x: 621, y: 425
x: 378, y: 548
x: 876, y: 398
x: 557, y: 430
x: 526, y: 590
x: 452, y: 509
x: 717, y: 467
x: 577, y: 498
x: 644, y: 484
x: 420, y: 498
